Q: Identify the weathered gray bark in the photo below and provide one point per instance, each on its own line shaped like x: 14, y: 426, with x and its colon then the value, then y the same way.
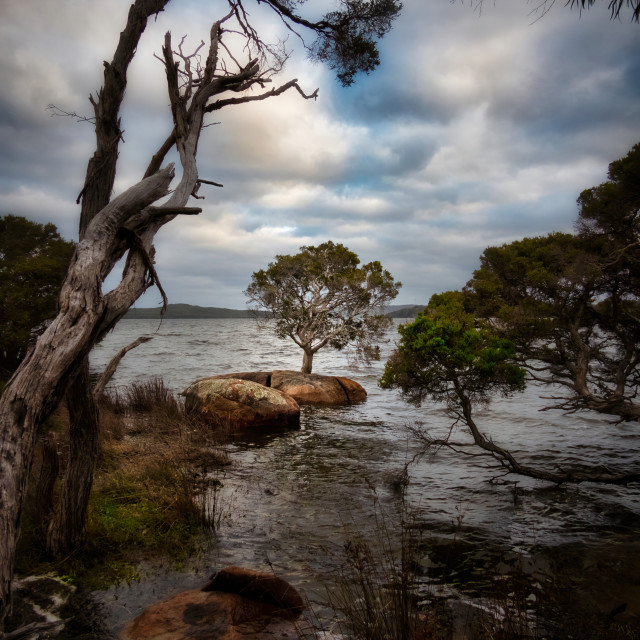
x: 85, y: 315
x: 127, y: 224
x: 111, y: 368
x: 67, y: 526
x: 68, y: 521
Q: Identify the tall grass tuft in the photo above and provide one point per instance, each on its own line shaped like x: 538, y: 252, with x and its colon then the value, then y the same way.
x: 374, y: 591
x: 148, y: 490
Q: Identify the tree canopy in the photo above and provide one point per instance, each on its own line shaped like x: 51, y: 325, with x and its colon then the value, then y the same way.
x: 571, y: 302
x: 561, y: 310
x: 323, y: 297
x: 33, y: 263
x: 616, y: 7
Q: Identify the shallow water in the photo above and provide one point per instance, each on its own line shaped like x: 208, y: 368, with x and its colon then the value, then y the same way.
x: 291, y: 496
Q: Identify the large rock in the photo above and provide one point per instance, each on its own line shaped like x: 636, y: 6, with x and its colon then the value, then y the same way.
x: 241, y: 404
x: 308, y: 388
x: 258, y: 586
x: 238, y: 604
x: 316, y: 389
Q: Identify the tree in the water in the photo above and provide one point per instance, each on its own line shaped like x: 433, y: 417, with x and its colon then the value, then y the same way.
x: 571, y: 302
x: 125, y: 227
x: 563, y: 308
x: 322, y: 297
x: 450, y: 356
x: 33, y: 263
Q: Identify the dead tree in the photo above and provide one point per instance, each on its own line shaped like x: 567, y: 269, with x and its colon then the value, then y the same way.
x: 126, y: 225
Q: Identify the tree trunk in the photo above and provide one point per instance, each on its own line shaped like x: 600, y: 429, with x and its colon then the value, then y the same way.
x: 41, y: 380
x: 67, y: 525
x: 307, y: 361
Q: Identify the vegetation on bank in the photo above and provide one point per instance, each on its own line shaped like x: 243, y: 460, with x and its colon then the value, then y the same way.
x: 148, y: 498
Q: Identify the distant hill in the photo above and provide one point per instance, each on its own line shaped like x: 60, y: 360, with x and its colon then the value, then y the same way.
x: 405, y: 311
x: 194, y: 312
x: 187, y: 312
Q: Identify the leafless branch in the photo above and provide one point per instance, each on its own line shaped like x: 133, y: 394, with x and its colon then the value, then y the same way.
x: 57, y: 111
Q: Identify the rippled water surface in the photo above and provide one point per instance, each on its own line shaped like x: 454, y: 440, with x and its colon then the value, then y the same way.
x: 290, y: 496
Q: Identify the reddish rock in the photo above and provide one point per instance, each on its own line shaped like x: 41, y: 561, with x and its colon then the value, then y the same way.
x: 241, y: 404
x: 261, y: 377
x: 312, y: 388
x: 210, y: 615
x: 258, y: 586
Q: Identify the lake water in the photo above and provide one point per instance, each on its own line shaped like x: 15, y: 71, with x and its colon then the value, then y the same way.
x: 292, y: 496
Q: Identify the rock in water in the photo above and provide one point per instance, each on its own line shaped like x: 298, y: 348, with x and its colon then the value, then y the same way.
x: 258, y: 586
x: 312, y: 388
x: 267, y: 610
x: 307, y: 388
x: 241, y: 404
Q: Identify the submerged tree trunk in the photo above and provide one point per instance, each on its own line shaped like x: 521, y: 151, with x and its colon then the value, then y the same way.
x: 307, y: 361
x: 67, y: 525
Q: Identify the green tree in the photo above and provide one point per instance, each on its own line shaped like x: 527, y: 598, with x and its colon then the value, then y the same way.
x: 323, y: 297
x: 571, y: 303
x: 450, y: 356
x: 33, y: 263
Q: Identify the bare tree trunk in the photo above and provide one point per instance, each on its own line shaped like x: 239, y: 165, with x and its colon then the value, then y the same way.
x: 40, y: 382
x: 511, y: 465
x: 307, y: 361
x: 126, y: 225
x: 68, y: 522
x: 67, y: 526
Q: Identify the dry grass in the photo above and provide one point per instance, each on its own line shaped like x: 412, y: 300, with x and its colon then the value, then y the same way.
x: 147, y: 498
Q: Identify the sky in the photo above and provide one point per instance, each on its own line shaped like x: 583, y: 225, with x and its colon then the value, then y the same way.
x: 477, y: 129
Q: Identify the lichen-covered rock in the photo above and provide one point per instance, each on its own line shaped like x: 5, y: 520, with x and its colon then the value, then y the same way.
x: 38, y: 602
x: 241, y: 404
x: 307, y: 388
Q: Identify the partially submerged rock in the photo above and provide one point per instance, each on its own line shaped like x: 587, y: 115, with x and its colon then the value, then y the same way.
x: 312, y: 388
x: 251, y: 605
x: 258, y: 586
x: 307, y: 388
x: 241, y: 404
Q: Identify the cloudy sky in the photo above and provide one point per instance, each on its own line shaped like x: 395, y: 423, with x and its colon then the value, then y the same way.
x: 477, y: 129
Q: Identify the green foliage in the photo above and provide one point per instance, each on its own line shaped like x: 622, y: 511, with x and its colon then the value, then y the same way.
x: 33, y: 263
x: 572, y: 301
x: 445, y: 352
x: 347, y: 37
x: 322, y: 296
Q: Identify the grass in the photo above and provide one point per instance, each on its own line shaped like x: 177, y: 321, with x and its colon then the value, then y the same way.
x: 147, y: 498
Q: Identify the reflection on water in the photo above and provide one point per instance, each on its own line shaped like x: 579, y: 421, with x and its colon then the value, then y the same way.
x: 293, y: 493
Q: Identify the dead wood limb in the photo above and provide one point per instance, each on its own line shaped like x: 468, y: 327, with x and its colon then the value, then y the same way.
x: 111, y: 368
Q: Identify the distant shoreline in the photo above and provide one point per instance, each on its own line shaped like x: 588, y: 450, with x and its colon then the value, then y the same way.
x: 194, y: 312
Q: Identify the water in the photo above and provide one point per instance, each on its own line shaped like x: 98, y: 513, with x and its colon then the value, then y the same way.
x: 291, y: 496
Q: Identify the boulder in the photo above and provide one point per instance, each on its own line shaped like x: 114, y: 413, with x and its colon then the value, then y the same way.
x: 241, y: 404
x: 312, y: 388
x: 258, y: 586
x: 210, y: 615
x: 237, y: 604
x: 308, y: 388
